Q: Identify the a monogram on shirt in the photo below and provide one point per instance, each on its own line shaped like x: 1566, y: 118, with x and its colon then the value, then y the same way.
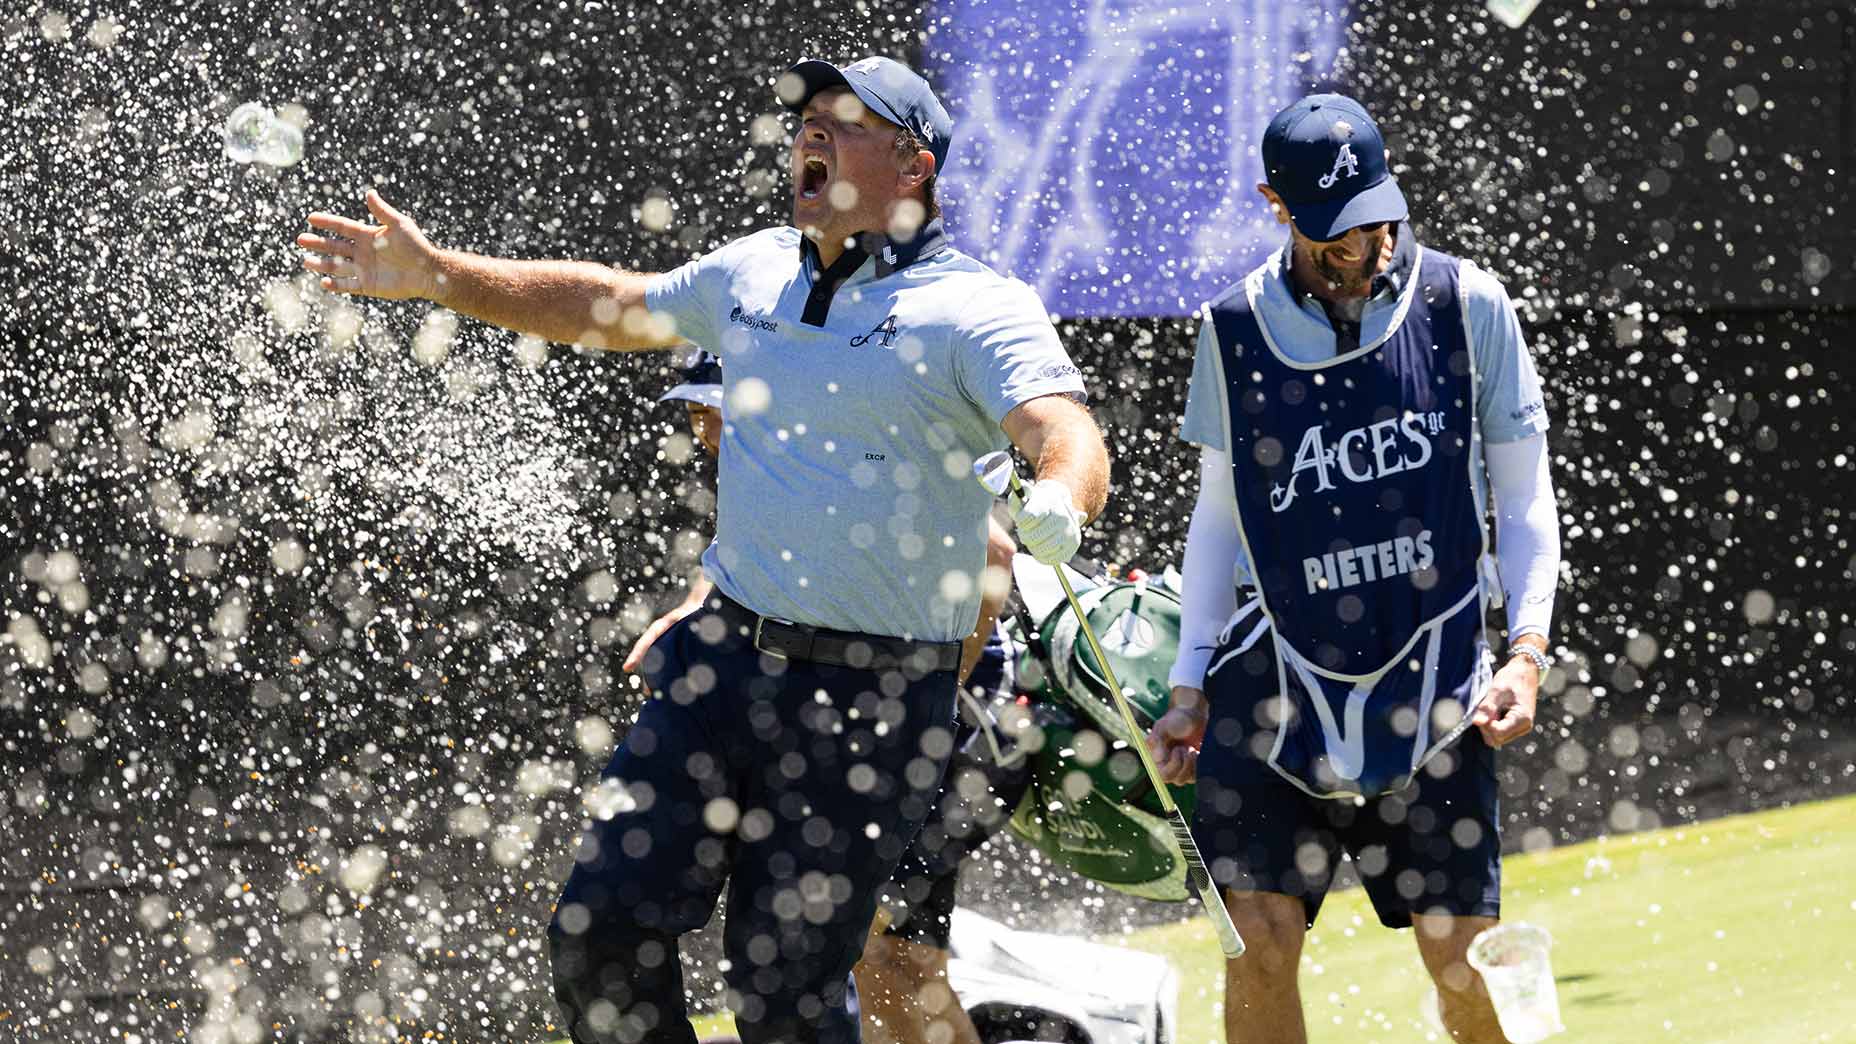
x: 887, y: 328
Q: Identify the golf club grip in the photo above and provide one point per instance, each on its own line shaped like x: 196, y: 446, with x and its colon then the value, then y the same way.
x: 1200, y: 880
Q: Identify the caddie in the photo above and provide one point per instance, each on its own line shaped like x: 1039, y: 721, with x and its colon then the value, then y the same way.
x: 1357, y: 399
x: 801, y: 721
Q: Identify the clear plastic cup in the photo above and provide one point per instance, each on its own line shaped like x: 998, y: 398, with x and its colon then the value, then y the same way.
x: 1514, y: 962
x: 282, y: 147
x: 1430, y: 1009
x: 1513, y: 13
x: 254, y: 134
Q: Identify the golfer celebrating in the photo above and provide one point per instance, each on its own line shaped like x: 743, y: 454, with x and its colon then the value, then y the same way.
x: 802, y: 720
x: 902, y: 979
x: 1356, y: 398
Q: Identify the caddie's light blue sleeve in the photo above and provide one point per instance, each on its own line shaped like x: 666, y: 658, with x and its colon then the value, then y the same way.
x: 1509, y: 402
x: 1210, y: 572
x: 1527, y: 533
x: 1204, y: 423
x: 1006, y: 352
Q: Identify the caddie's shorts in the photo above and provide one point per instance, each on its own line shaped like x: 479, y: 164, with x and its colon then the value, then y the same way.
x: 1434, y: 847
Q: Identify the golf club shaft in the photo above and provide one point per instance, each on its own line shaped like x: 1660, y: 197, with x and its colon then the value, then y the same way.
x: 1197, y: 876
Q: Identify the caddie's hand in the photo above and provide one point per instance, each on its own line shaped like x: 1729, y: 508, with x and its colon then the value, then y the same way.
x: 1049, y: 525
x: 390, y: 260
x: 635, y: 659
x: 1176, y: 737
x: 1506, y: 712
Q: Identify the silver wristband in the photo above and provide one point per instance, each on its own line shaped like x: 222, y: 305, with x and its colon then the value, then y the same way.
x: 1541, y: 661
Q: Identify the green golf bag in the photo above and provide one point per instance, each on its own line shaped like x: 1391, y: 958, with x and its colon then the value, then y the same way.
x: 1090, y: 806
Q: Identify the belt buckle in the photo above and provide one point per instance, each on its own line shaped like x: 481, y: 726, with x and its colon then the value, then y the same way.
x: 760, y: 624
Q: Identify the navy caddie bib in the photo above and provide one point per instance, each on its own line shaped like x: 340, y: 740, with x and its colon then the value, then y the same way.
x: 1360, y: 516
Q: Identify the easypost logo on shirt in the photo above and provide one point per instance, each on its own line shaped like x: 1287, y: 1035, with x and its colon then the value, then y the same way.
x: 752, y: 322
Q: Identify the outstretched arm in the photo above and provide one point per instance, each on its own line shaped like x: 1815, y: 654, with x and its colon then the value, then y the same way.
x: 571, y: 302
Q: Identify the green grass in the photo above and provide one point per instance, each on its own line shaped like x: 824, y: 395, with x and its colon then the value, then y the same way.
x: 706, y: 1025
x: 1736, y: 931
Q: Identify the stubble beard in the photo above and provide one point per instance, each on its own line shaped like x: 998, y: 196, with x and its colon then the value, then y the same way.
x: 1353, y: 279
x: 810, y: 223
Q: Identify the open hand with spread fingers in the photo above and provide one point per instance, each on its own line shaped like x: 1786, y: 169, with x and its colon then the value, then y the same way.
x: 390, y: 260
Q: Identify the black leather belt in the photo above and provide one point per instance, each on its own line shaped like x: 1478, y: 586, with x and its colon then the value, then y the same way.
x: 875, y: 652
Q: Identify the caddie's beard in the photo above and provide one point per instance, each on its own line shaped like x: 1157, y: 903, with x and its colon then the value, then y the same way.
x: 1351, y: 278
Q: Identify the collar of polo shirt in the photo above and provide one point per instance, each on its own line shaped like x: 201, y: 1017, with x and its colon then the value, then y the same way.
x: 892, y: 255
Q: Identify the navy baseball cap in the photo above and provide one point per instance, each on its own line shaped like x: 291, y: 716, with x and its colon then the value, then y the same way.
x: 1325, y: 157
x: 700, y: 382
x: 888, y: 88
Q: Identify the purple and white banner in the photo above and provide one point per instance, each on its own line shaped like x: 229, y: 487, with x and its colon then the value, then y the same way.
x: 1106, y: 152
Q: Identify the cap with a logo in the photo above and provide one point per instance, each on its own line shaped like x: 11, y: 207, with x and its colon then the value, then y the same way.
x: 888, y: 88
x: 1325, y: 157
x: 700, y: 382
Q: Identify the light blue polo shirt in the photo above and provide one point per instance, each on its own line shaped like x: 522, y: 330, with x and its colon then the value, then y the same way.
x: 1509, y: 402
x: 845, y: 495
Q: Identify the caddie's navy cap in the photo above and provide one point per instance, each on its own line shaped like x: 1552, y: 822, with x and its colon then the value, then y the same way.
x: 1325, y: 157
x: 699, y: 382
x: 888, y: 88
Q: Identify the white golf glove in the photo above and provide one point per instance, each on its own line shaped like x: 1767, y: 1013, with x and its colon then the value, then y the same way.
x: 1049, y: 526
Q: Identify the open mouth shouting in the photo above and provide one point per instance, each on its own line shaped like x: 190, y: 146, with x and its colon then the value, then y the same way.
x: 814, y: 176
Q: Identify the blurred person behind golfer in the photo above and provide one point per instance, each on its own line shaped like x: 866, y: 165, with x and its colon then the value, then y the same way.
x: 802, y: 719
x: 1356, y: 398
x: 699, y: 389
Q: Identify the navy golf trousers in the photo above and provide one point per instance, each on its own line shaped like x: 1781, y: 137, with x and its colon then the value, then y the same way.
x: 794, y: 785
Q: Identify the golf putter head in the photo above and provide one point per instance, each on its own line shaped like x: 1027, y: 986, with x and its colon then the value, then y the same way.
x: 994, y: 471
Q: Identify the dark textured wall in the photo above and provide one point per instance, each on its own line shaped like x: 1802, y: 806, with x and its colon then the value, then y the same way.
x: 1674, y: 153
